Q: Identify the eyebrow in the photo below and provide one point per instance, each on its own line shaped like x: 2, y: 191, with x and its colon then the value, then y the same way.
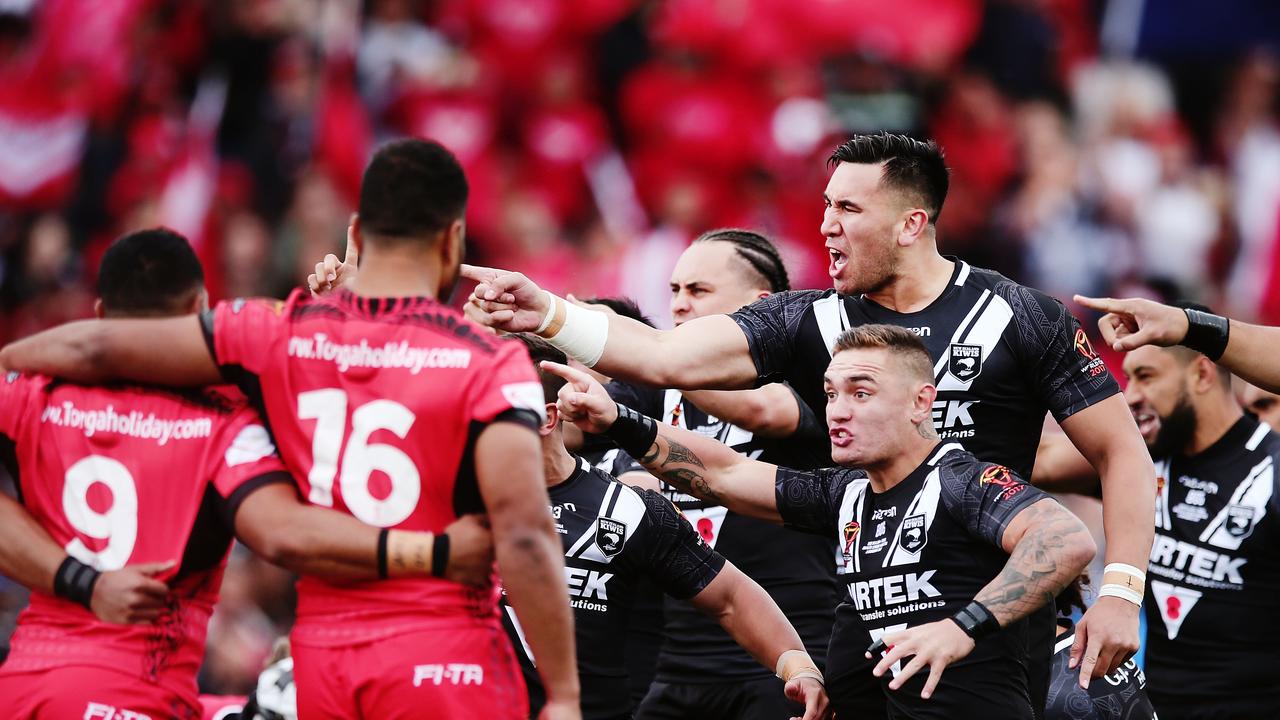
x: 841, y: 201
x: 862, y: 377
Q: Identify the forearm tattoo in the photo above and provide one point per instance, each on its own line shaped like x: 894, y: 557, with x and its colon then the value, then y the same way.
x: 1036, y: 571
x: 680, y: 467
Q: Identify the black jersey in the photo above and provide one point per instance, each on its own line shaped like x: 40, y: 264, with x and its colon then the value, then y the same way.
x: 1214, y: 574
x: 1119, y: 695
x: 1004, y: 355
x: 794, y: 568
x: 614, y: 535
x: 913, y: 555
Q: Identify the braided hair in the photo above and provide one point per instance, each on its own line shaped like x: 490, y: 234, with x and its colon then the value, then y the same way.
x: 756, y: 251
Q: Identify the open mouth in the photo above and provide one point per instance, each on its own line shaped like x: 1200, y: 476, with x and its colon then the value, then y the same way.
x: 1148, y: 422
x: 838, y: 261
x: 840, y: 437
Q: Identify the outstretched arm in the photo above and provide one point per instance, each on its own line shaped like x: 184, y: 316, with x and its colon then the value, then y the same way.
x: 709, y: 352
x: 771, y: 411
x: 693, y: 463
x: 1048, y: 548
x: 1133, y: 322
x: 312, y: 540
x: 757, y: 624
x: 164, y: 351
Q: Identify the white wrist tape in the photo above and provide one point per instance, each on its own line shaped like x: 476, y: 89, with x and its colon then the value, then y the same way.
x: 584, y: 334
x: 551, y: 313
x: 794, y: 664
x: 1126, y: 569
x: 1122, y: 592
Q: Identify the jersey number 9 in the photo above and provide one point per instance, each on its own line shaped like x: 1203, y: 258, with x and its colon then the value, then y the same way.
x: 118, y: 525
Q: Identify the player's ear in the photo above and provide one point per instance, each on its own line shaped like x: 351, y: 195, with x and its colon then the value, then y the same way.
x: 922, y: 408
x: 914, y: 226
x: 356, y: 233
x: 99, y: 311
x: 454, y: 246
x: 552, y: 422
x: 199, y: 301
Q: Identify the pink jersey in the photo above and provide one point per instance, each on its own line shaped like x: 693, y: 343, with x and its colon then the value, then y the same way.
x: 124, y: 475
x: 375, y: 404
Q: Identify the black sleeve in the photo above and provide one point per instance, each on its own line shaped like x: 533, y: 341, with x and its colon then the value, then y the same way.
x: 771, y: 324
x: 1061, y: 365
x: 810, y: 427
x: 809, y: 500
x: 230, y: 505
x: 622, y: 463
x: 237, y: 375
x: 671, y: 552
x: 985, y: 498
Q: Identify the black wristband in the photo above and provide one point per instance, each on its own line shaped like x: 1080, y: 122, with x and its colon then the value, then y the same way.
x: 440, y: 554
x: 382, y: 552
x: 976, y: 620
x: 1206, y: 333
x: 74, y: 581
x: 632, y: 432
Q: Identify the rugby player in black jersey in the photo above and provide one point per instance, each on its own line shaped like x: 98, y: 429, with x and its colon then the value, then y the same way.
x: 700, y: 670
x: 945, y: 555
x: 1003, y: 355
x: 1214, y: 570
x: 613, y: 536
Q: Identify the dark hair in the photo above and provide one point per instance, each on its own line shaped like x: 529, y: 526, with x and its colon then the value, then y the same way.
x: 148, y: 272
x: 540, y: 350
x: 624, y: 306
x: 904, y: 346
x: 910, y: 165
x: 1072, y: 596
x: 412, y: 189
x: 756, y: 250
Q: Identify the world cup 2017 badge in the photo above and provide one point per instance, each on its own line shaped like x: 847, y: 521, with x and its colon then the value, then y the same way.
x: 913, y: 534
x: 1239, y: 521
x: 964, y: 362
x: 851, y: 529
x: 611, y: 535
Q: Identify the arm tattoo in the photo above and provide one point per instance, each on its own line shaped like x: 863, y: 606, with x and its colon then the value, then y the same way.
x: 1039, y: 567
x: 681, y: 467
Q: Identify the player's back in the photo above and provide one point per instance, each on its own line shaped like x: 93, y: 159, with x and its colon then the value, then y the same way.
x: 126, y: 475
x: 376, y: 405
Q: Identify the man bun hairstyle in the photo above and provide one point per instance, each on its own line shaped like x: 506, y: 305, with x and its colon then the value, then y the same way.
x: 413, y: 188
x: 756, y: 251
x: 904, y: 347
x: 149, y: 272
x: 912, y: 166
x: 540, y: 350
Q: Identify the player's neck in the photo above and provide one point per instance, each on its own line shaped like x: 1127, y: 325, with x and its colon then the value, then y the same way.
x: 1213, y: 420
x: 884, y: 476
x: 398, y: 272
x: 922, y: 278
x: 557, y: 464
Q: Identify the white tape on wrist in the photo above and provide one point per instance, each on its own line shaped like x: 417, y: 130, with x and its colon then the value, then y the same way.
x: 794, y: 664
x: 1126, y: 569
x: 584, y: 334
x: 551, y: 313
x: 1122, y: 592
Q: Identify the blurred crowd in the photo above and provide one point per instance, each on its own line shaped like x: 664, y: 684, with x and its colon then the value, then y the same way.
x: 1100, y: 147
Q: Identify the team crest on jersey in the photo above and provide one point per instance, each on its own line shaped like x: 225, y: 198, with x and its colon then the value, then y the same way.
x: 1239, y: 521
x: 914, y: 536
x: 850, y: 533
x: 611, y: 535
x: 964, y: 362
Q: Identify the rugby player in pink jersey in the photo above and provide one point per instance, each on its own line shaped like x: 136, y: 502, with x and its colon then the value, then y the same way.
x: 389, y: 406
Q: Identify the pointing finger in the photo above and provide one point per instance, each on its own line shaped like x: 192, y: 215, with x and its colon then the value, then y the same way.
x: 353, y: 252
x: 1106, y: 305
